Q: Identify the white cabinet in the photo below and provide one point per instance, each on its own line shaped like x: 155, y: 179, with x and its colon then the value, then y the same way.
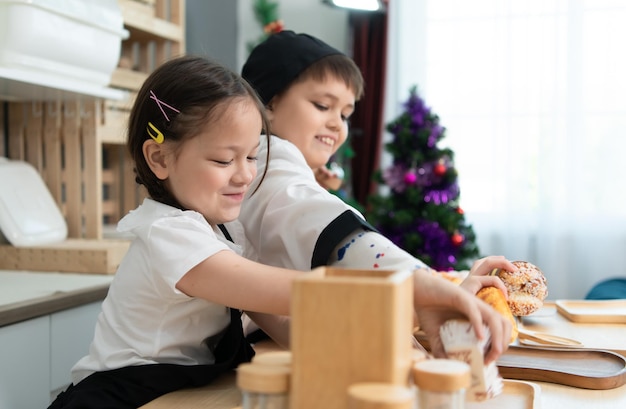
x: 36, y: 355
x: 71, y: 332
x: 25, y: 364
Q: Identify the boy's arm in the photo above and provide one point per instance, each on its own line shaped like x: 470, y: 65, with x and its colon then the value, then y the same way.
x: 291, y: 221
x: 370, y: 250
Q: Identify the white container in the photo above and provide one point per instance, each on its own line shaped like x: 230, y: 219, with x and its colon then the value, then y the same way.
x: 29, y: 215
x: 79, y: 40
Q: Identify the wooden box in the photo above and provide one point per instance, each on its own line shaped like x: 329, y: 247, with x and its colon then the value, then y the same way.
x: 71, y: 255
x: 348, y: 326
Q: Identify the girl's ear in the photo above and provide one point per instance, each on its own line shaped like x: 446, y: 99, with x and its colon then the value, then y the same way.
x: 154, y: 154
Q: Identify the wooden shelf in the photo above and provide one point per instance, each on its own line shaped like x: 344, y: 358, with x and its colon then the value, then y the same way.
x: 127, y: 79
x: 156, y: 34
x: 147, y: 30
x: 143, y: 23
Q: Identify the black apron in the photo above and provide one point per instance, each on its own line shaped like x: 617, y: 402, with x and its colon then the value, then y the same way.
x: 134, y: 386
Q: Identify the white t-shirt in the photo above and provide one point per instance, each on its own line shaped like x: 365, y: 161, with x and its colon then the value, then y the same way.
x: 144, y: 318
x: 284, y: 218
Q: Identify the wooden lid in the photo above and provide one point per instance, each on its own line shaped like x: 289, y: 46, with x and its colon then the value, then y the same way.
x: 374, y: 395
x: 441, y: 375
x: 282, y: 358
x: 263, y: 378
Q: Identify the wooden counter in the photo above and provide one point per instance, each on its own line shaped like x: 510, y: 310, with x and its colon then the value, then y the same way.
x: 223, y: 394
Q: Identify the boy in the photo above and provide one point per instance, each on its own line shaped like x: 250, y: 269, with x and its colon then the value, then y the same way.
x: 309, y: 90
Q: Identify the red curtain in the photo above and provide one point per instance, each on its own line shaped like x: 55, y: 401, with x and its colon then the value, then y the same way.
x: 369, y: 51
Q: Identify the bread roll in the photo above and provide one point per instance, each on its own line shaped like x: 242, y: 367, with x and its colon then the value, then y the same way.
x: 494, y: 297
x: 527, y: 288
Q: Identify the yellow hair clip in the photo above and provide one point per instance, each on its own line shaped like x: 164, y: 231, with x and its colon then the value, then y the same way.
x: 155, y: 133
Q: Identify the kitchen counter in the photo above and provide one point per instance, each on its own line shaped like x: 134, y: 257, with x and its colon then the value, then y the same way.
x: 224, y: 394
x: 27, y: 294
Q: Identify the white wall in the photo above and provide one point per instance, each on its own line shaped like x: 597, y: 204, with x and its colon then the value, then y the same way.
x: 302, y: 16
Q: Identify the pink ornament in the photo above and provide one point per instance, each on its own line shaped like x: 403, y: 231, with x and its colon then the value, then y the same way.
x: 410, y: 178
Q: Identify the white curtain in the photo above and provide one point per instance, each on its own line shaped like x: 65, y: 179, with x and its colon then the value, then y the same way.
x: 533, y: 96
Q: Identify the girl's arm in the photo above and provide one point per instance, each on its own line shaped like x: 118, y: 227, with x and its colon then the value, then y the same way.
x: 276, y: 326
x: 229, y: 279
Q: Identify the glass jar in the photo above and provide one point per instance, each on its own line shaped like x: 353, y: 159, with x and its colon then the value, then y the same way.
x: 441, y: 383
x: 263, y: 386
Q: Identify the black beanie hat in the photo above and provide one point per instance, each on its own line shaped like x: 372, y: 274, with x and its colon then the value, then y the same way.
x: 276, y: 62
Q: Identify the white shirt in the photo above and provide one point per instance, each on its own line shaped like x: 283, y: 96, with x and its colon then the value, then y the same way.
x: 144, y: 318
x: 284, y: 218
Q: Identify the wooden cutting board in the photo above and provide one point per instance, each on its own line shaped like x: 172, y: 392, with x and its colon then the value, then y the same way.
x: 593, y: 311
x: 581, y: 368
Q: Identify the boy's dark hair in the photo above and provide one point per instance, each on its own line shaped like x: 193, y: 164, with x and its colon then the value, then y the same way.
x: 339, y: 66
x: 191, y: 91
x: 286, y: 57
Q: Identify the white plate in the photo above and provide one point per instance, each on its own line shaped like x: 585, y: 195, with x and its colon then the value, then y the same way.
x: 29, y: 216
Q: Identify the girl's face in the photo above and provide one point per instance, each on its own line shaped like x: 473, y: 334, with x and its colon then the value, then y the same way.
x: 211, y: 172
x: 313, y: 115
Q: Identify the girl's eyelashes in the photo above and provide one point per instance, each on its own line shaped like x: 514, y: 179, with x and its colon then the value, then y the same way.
x: 321, y: 107
x: 221, y: 162
x: 226, y: 163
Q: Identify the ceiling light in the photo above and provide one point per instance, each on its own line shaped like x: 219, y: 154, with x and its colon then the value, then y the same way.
x: 364, y: 5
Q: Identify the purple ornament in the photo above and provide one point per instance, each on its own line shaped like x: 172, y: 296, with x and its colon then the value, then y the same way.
x: 436, y: 244
x: 394, y: 177
x: 442, y: 195
x: 435, y: 135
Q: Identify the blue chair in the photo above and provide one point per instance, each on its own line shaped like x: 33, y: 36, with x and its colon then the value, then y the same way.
x: 611, y: 289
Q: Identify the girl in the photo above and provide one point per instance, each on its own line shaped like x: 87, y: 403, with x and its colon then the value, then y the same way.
x: 166, y: 323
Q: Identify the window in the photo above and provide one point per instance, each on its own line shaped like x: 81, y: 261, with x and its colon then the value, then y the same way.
x: 533, y: 97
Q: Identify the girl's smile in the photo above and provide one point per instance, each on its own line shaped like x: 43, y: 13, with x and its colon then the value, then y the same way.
x: 212, y: 172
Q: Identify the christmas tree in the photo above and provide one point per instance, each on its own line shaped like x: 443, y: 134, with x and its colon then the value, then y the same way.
x: 421, y: 212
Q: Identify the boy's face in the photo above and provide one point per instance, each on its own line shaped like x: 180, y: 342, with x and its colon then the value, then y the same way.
x: 313, y: 115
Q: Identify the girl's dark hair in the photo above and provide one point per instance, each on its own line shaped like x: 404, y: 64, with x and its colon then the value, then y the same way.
x: 200, y: 90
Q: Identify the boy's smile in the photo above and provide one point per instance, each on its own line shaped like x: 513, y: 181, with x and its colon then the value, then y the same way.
x: 313, y: 115
x: 328, y: 140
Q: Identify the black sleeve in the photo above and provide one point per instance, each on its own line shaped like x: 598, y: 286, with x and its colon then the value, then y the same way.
x: 334, y: 233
